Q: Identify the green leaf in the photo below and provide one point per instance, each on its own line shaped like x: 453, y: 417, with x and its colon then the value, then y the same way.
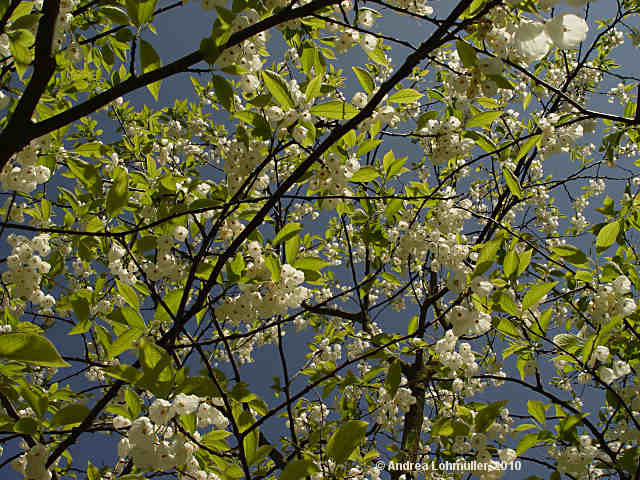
x: 526, y: 442
x: 70, y: 414
x: 124, y: 342
x: 286, y: 232
x: 365, y: 79
x: 26, y: 425
x: 394, y: 377
x: 298, y: 469
x: 467, y: 54
x: 407, y: 95
x: 209, y: 50
x: 30, y: 348
x: 335, y: 109
x: 512, y: 183
x: 224, y: 91
x: 345, y: 440
x: 23, y: 8
x: 365, y: 174
x: 485, y: 417
x: 527, y: 146
x: 310, y: 263
x: 483, y: 119
x: 20, y: 42
x: 118, y: 195
x: 114, y: 14
x: 607, y: 235
x: 155, y: 361
x: 141, y: 11
x: 291, y: 249
x: 535, y: 294
x: 278, y: 88
x: 487, y: 255
x: 572, y: 255
x: 85, y: 172
x: 511, y: 262
x: 149, y: 61
x: 537, y: 410
x: 129, y: 294
x: 314, y: 88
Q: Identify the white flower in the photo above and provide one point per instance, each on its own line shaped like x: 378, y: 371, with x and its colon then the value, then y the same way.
x: 567, y: 30
x: 606, y: 375
x: 299, y: 133
x: 124, y: 446
x: 121, y: 422
x: 249, y: 83
x: 507, y: 455
x: 601, y: 353
x: 180, y: 233
x: 368, y: 42
x: 161, y: 411
x: 621, y: 368
x: 532, y: 41
x: 622, y: 285
x: 185, y: 404
x: 481, y: 287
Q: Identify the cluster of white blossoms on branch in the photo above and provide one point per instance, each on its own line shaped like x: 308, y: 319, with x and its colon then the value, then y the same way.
x: 153, y: 444
x: 333, y: 176
x: 26, y: 269
x: 388, y: 414
x: 533, y: 39
x: 442, y: 140
x: 166, y: 264
x: 468, y: 321
x: 263, y: 300
x: 610, y: 300
x: 25, y: 174
x: 576, y: 460
x: 63, y: 22
x: 32, y: 463
x: 241, y: 160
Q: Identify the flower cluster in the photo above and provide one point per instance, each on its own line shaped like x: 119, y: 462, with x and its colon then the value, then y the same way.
x: 241, y: 160
x: 264, y: 300
x: 63, y: 23
x: 442, y: 140
x: 26, y: 269
x: 154, y: 445
x: 387, y: 415
x: 533, y: 39
x: 333, y: 177
x: 25, y: 175
x: 166, y: 265
x: 610, y: 301
x: 468, y: 321
x: 32, y: 464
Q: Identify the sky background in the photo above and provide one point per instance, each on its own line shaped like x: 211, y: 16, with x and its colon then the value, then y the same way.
x: 179, y: 33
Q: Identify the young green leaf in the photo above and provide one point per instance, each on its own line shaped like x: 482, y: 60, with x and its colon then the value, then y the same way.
x: 149, y: 61
x: 287, y: 232
x: 484, y: 119
x: 607, y: 235
x: 407, y: 95
x: 345, y: 440
x: 118, y: 195
x: 365, y: 79
x: 512, y: 183
x: 278, y: 88
x: 30, y: 348
x: 335, y: 109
